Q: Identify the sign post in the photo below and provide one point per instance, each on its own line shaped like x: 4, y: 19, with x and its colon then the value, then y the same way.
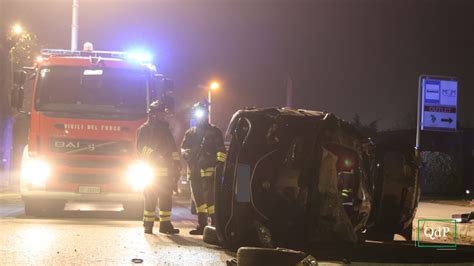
x: 437, y: 105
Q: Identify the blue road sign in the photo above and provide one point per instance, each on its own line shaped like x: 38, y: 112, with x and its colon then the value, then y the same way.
x: 439, y: 100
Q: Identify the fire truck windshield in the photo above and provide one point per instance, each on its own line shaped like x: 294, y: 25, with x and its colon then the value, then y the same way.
x: 79, y: 89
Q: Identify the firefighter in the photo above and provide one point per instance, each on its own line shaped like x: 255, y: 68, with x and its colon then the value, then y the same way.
x: 204, y: 151
x: 156, y: 144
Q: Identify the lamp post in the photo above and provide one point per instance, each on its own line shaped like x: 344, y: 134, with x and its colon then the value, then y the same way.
x: 212, y: 87
x: 74, y: 24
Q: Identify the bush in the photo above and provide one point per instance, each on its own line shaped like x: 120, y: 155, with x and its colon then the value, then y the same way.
x: 440, y: 173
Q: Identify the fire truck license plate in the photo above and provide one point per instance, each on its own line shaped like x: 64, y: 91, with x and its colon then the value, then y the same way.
x: 89, y: 190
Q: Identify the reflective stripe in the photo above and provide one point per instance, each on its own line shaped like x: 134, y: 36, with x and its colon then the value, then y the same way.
x: 202, y: 208
x: 165, y: 213
x: 175, y: 156
x: 210, y: 209
x: 208, y: 171
x: 165, y: 218
x: 344, y: 194
x: 149, y: 213
x: 148, y: 219
x: 347, y: 190
x: 161, y: 171
x: 221, y: 157
x: 188, y: 173
x: 147, y: 151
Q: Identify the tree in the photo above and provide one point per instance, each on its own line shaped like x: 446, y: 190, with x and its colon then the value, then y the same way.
x: 16, y: 51
x: 368, y: 130
x: 406, y: 121
x: 6, y: 45
x: 25, y: 50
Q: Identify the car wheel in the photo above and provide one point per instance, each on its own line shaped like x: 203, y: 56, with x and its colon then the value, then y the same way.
x: 407, y: 233
x: 210, y: 236
x: 249, y: 256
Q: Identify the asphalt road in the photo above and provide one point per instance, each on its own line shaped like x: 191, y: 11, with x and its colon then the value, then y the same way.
x: 99, y: 238
x: 108, y: 237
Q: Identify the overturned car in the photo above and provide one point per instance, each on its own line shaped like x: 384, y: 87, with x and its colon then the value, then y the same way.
x: 297, y: 177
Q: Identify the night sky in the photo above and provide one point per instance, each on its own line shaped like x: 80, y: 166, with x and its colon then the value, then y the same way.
x: 346, y: 57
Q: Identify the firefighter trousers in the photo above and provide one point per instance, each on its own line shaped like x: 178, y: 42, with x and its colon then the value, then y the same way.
x: 202, y: 187
x: 162, y: 192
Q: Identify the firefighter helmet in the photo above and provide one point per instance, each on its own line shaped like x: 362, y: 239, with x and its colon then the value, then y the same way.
x: 200, y: 109
x: 158, y: 106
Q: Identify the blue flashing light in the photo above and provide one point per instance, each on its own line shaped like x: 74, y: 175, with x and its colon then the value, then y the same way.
x: 139, y: 56
x: 136, y: 56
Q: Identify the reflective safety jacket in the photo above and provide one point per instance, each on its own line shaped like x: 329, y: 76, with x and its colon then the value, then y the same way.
x: 156, y: 145
x: 203, y: 147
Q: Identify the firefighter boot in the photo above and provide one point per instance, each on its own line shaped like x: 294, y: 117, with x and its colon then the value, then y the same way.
x: 148, y: 227
x: 202, y: 222
x: 167, y: 228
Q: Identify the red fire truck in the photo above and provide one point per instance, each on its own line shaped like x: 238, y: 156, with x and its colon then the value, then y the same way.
x: 86, y: 108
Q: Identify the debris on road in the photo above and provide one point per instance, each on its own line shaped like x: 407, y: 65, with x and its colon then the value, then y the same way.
x: 137, y: 261
x: 463, y: 217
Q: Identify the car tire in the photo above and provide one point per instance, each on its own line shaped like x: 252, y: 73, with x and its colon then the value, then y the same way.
x: 133, y: 210
x: 250, y: 256
x: 210, y: 236
x: 407, y: 233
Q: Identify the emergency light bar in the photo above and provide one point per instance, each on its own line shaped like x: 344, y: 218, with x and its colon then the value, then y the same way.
x: 103, y: 54
x: 141, y: 57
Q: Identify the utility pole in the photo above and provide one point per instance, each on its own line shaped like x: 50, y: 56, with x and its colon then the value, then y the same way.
x: 212, y: 87
x: 289, y: 92
x: 4, y: 105
x: 75, y: 24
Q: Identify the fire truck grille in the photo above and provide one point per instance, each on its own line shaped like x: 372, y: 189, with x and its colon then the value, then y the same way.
x: 90, y: 147
x: 89, y: 163
x: 89, y: 179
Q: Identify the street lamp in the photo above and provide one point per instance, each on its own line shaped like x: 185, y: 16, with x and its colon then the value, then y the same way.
x: 212, y: 87
x: 17, y: 29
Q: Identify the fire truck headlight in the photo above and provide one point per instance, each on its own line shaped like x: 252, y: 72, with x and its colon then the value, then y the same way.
x: 35, y: 171
x: 140, y: 175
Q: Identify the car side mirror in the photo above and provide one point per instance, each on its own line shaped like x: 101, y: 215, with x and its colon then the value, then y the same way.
x: 19, y: 77
x: 17, y: 97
